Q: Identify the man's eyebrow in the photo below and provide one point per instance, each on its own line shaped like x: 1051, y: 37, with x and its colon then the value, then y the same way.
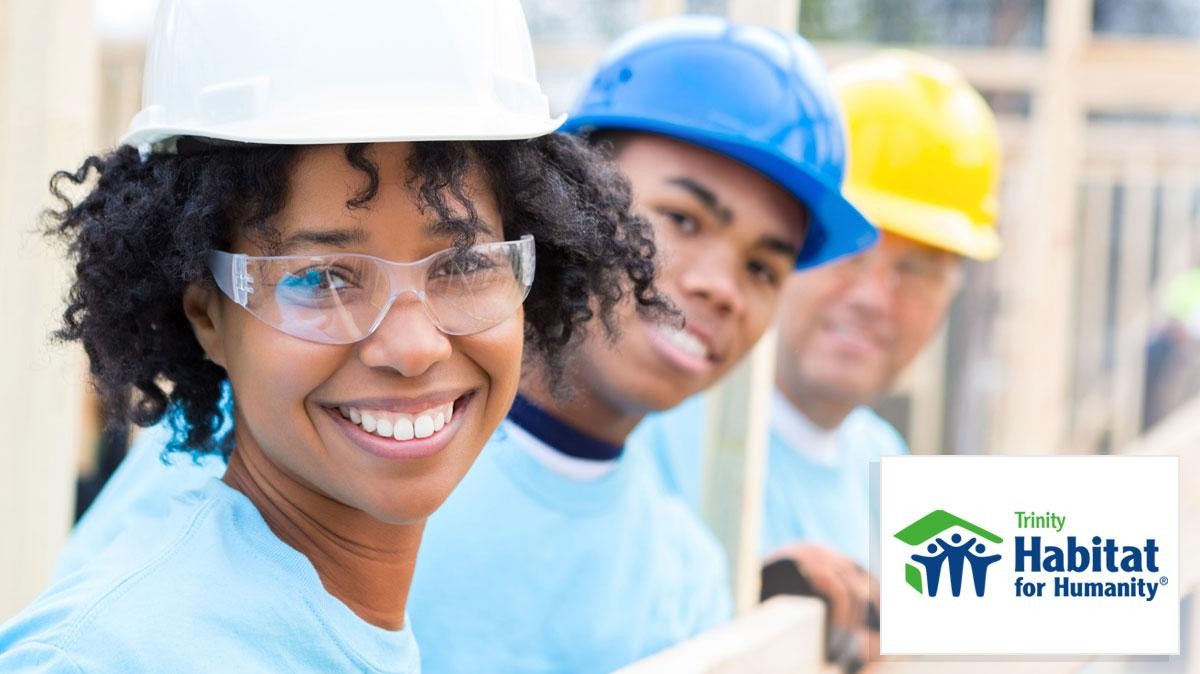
x: 336, y: 238
x: 777, y: 245
x: 706, y: 197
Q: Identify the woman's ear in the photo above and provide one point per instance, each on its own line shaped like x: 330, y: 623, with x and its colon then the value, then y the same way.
x: 202, y: 306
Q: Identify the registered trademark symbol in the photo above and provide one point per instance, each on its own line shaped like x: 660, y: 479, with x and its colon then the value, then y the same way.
x: 1162, y: 581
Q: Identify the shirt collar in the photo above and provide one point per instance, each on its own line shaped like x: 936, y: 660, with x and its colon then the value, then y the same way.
x: 801, y: 434
x: 560, y: 447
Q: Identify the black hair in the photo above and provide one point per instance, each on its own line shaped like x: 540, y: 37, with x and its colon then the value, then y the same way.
x: 143, y: 230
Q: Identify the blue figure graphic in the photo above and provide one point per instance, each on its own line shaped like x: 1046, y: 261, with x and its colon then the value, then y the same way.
x: 955, y: 554
x: 933, y: 568
x: 979, y: 567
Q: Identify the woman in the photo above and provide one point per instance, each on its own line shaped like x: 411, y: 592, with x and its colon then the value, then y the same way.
x: 359, y: 294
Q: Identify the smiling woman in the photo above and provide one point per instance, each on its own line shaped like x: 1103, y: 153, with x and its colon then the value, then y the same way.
x: 365, y: 299
x: 346, y: 428
x: 219, y: 197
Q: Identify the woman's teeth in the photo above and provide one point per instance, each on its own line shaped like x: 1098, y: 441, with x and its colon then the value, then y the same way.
x: 401, y: 426
x: 686, y: 342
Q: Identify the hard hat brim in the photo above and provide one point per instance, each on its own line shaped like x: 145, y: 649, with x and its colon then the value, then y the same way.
x: 346, y: 126
x: 930, y: 224
x: 836, y: 228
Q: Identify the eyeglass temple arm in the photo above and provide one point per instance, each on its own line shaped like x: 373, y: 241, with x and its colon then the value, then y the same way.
x: 229, y: 271
x: 529, y: 270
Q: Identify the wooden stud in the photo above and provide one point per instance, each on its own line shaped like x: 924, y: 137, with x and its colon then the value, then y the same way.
x: 1133, y: 293
x: 48, y: 66
x: 1037, y: 262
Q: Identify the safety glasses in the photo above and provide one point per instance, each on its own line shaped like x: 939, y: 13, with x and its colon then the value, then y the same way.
x: 342, y: 298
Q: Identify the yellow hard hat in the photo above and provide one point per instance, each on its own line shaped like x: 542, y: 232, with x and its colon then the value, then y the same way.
x: 924, y: 151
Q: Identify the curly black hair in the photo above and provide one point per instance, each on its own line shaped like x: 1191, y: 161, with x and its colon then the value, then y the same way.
x: 143, y: 232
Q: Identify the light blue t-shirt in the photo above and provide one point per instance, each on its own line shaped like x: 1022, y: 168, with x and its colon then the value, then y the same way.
x: 141, y: 487
x: 675, y: 442
x: 820, y: 496
x: 204, y: 587
x: 811, y: 494
x: 526, y: 570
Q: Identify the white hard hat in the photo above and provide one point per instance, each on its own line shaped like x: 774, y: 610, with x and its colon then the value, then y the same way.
x: 300, y: 72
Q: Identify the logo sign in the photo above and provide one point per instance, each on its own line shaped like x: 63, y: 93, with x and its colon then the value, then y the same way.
x: 955, y: 555
x: 1029, y: 555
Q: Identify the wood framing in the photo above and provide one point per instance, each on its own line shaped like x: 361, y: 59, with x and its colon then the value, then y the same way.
x: 47, y: 104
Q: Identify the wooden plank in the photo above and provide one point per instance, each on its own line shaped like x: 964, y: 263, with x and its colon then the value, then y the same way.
x: 924, y: 382
x: 1133, y: 296
x: 1174, y: 244
x: 652, y: 10
x: 1090, y: 409
x: 1125, y: 74
x: 785, y: 635
x: 1170, y: 145
x: 1037, y: 272
x: 734, y: 464
x: 980, y: 666
x: 781, y: 14
x: 1008, y: 70
x: 1114, y: 74
x: 48, y: 66
x: 1175, y: 147
x: 1194, y: 227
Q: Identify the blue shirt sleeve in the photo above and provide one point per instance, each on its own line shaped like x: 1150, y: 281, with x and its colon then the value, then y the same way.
x: 142, y: 486
x: 32, y: 657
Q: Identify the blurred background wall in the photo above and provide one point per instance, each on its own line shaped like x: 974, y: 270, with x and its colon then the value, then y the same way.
x: 1063, y: 345
x: 49, y: 98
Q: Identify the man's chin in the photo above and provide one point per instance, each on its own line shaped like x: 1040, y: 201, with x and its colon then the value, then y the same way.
x: 849, y: 391
x: 662, y: 398
x: 664, y: 402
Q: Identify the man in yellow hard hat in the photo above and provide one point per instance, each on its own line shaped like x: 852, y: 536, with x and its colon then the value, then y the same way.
x: 924, y: 165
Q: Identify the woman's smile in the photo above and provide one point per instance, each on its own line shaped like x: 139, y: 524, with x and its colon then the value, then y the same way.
x: 379, y: 427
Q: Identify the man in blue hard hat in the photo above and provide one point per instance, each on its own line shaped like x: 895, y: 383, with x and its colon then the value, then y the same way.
x: 559, y: 552
x: 555, y: 554
x: 925, y: 161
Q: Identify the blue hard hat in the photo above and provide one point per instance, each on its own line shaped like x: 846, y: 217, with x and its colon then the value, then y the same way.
x: 754, y: 94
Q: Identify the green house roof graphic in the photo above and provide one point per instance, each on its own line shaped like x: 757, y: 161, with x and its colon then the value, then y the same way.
x: 930, y: 526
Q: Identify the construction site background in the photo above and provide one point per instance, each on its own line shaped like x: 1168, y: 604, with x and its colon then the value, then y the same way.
x: 1064, y: 345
